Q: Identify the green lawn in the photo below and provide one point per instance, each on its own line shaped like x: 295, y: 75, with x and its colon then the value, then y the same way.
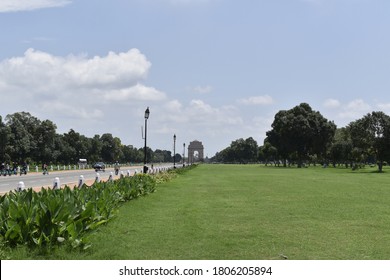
x: 251, y: 212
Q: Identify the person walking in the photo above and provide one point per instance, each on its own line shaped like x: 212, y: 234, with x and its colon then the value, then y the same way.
x: 44, y: 168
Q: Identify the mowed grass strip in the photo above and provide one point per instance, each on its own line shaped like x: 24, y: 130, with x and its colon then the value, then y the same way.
x: 253, y: 212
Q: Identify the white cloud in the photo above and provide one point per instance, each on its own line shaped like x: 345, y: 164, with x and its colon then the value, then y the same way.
x: 28, y: 5
x: 40, y: 72
x: 384, y: 106
x: 216, y: 126
x: 107, y: 94
x: 70, y: 111
x: 358, y: 105
x: 259, y: 126
x: 355, y: 109
x: 137, y: 92
x: 122, y: 68
x: 201, y: 107
x: 202, y: 114
x: 76, y: 86
x: 197, y: 114
x: 257, y: 100
x: 174, y: 106
x: 342, y: 114
x: 332, y: 103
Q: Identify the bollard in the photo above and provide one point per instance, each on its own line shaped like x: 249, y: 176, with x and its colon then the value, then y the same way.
x: 51, y: 168
x: 36, y: 168
x: 97, y: 178
x: 128, y: 173
x: 20, y: 187
x: 81, y: 181
x: 122, y: 174
x: 56, y: 183
x: 110, y: 177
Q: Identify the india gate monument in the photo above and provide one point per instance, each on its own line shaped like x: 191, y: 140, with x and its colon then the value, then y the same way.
x: 195, y: 152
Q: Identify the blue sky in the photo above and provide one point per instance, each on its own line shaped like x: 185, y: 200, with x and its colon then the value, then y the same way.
x: 210, y: 70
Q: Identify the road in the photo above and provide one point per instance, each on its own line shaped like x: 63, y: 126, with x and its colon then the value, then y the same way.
x: 68, y: 177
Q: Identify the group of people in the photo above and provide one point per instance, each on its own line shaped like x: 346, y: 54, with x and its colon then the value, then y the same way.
x: 8, y: 169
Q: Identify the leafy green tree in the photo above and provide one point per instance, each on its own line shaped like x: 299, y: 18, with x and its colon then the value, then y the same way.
x: 371, y: 136
x: 149, y: 154
x: 118, y: 153
x: 22, y: 142
x: 95, y: 153
x: 239, y: 151
x: 178, y: 157
x: 162, y: 156
x: 158, y: 156
x: 341, y: 148
x: 245, y: 150
x: 45, y: 138
x: 300, y: 132
x: 131, y: 154
x: 268, y: 152
x: 278, y: 137
x: 68, y: 145
x: 5, y: 134
x: 221, y: 156
x: 110, y: 148
x: 23, y: 137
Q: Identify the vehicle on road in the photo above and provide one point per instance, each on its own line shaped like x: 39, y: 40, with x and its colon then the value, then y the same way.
x: 99, y: 166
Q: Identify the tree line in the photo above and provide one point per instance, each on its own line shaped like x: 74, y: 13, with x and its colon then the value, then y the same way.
x: 25, y: 138
x: 301, y: 135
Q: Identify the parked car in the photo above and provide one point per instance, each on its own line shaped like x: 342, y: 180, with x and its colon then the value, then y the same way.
x: 99, y: 166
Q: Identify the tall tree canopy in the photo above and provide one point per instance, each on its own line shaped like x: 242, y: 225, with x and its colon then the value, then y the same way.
x: 268, y: 153
x: 5, y: 133
x: 25, y: 138
x: 341, y: 148
x: 371, y: 135
x: 239, y: 151
x: 300, y: 132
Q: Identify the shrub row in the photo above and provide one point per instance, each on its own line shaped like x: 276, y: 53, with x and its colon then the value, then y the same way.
x: 51, y: 217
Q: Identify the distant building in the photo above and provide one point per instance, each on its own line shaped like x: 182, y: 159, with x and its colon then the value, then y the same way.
x: 195, y: 152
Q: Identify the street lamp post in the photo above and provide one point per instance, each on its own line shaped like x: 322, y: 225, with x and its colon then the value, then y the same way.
x: 174, y: 151
x: 184, y: 153
x: 147, y: 112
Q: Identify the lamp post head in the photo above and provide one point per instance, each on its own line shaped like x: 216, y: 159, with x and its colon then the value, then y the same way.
x: 147, y: 112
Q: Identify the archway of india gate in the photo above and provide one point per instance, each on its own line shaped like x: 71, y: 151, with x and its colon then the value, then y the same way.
x: 195, y: 151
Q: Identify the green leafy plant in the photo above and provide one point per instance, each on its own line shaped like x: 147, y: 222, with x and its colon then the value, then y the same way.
x: 52, y: 217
